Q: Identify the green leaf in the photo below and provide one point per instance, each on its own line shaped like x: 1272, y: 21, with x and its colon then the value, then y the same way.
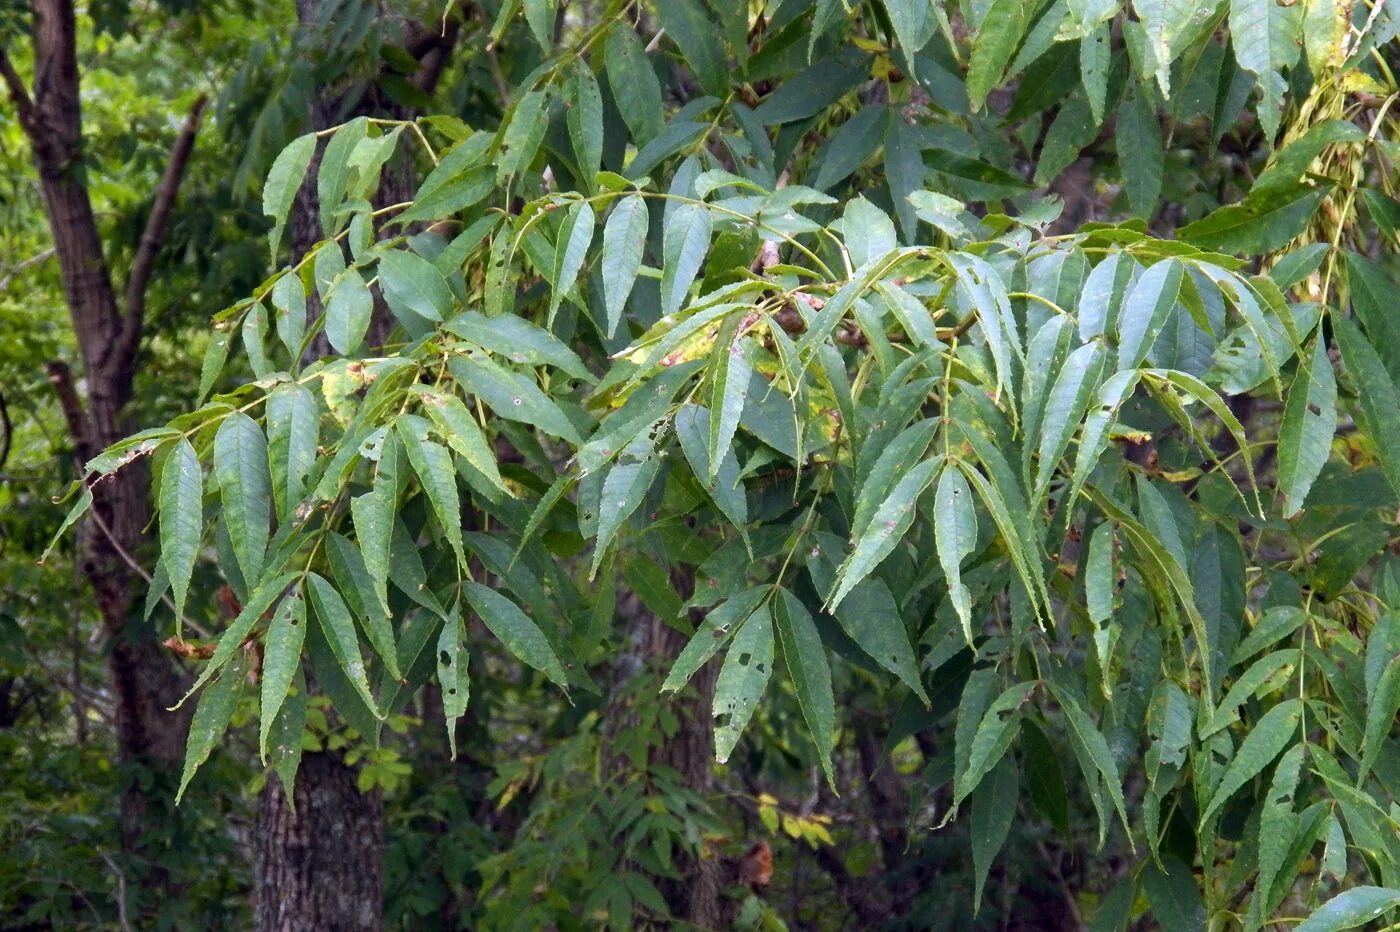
x: 215, y: 355
x: 513, y: 396
x: 523, y: 135
x: 210, y: 721
x: 254, y: 333
x: 286, y: 633
x: 283, y: 181
x: 284, y: 739
x: 355, y: 583
x: 570, y: 253
x: 181, y: 518
x: 1264, y: 675
x: 879, y: 470
x: 1094, y: 60
x: 1093, y: 752
x: 1351, y: 908
x: 849, y: 146
x: 1269, y: 736
x: 867, y: 231
x: 742, y: 680
x: 1379, y: 402
x: 293, y: 434
x: 1139, y: 143
x: 231, y: 641
x: 730, y: 378
x: 1069, y: 399
x: 1291, y: 163
x: 452, y: 674
x: 722, y: 484
x: 996, y: 729
x: 634, y: 84
x: 914, y: 24
x: 812, y: 90
x: 1372, y: 293
x: 624, y: 488
x: 955, y: 527
x: 1309, y: 423
x: 1264, y: 35
x: 712, y: 634
x: 1001, y: 31
x: 887, y: 526
x: 437, y: 475
x: 289, y: 297
x: 241, y: 468
x: 993, y: 810
x: 624, y: 239
x: 1262, y: 223
x: 811, y: 676
x: 870, y: 616
x: 700, y: 42
x: 1383, y: 702
x: 349, y: 307
x: 518, y: 340
x: 1146, y: 310
x: 339, y: 629
x: 333, y: 175
x: 1100, y: 585
x: 1175, y: 899
x: 373, y: 516
x: 686, y: 241
x: 539, y: 16
x: 513, y: 628
x: 585, y: 120
x: 412, y: 283
x: 456, y: 425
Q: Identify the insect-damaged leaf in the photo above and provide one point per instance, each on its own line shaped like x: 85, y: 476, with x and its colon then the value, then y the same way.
x: 806, y: 664
x: 742, y: 680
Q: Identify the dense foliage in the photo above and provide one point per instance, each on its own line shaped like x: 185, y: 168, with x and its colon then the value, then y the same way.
x: 991, y: 408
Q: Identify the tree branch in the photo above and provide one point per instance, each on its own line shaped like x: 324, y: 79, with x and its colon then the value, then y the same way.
x: 154, y: 234
x: 18, y: 92
x: 62, y: 378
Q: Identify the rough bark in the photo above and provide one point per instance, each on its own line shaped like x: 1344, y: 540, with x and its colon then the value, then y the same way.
x: 697, y: 896
x: 319, y: 866
x: 145, y: 681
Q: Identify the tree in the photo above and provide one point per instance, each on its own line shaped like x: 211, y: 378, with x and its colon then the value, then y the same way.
x: 751, y: 331
x: 109, y: 337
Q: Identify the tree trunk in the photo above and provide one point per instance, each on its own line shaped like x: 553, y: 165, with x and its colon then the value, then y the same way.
x: 690, y: 752
x: 145, y: 680
x: 319, y: 866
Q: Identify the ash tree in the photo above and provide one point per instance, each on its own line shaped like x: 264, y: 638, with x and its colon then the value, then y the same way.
x: 1026, y: 371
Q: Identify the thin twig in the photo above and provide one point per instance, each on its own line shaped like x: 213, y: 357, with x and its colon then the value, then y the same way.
x: 18, y: 92
x: 140, y: 570
x: 121, y: 890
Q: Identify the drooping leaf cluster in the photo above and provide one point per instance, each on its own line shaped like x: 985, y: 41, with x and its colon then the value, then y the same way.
x: 895, y: 421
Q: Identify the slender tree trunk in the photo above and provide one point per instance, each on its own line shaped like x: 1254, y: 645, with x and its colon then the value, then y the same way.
x: 144, y: 679
x: 690, y: 752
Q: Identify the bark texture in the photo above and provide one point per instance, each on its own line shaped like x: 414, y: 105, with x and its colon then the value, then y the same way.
x: 319, y: 866
x: 145, y: 681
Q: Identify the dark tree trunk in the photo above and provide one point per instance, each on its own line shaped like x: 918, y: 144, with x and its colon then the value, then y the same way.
x: 690, y: 752
x: 697, y: 896
x: 319, y: 866
x: 145, y: 680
